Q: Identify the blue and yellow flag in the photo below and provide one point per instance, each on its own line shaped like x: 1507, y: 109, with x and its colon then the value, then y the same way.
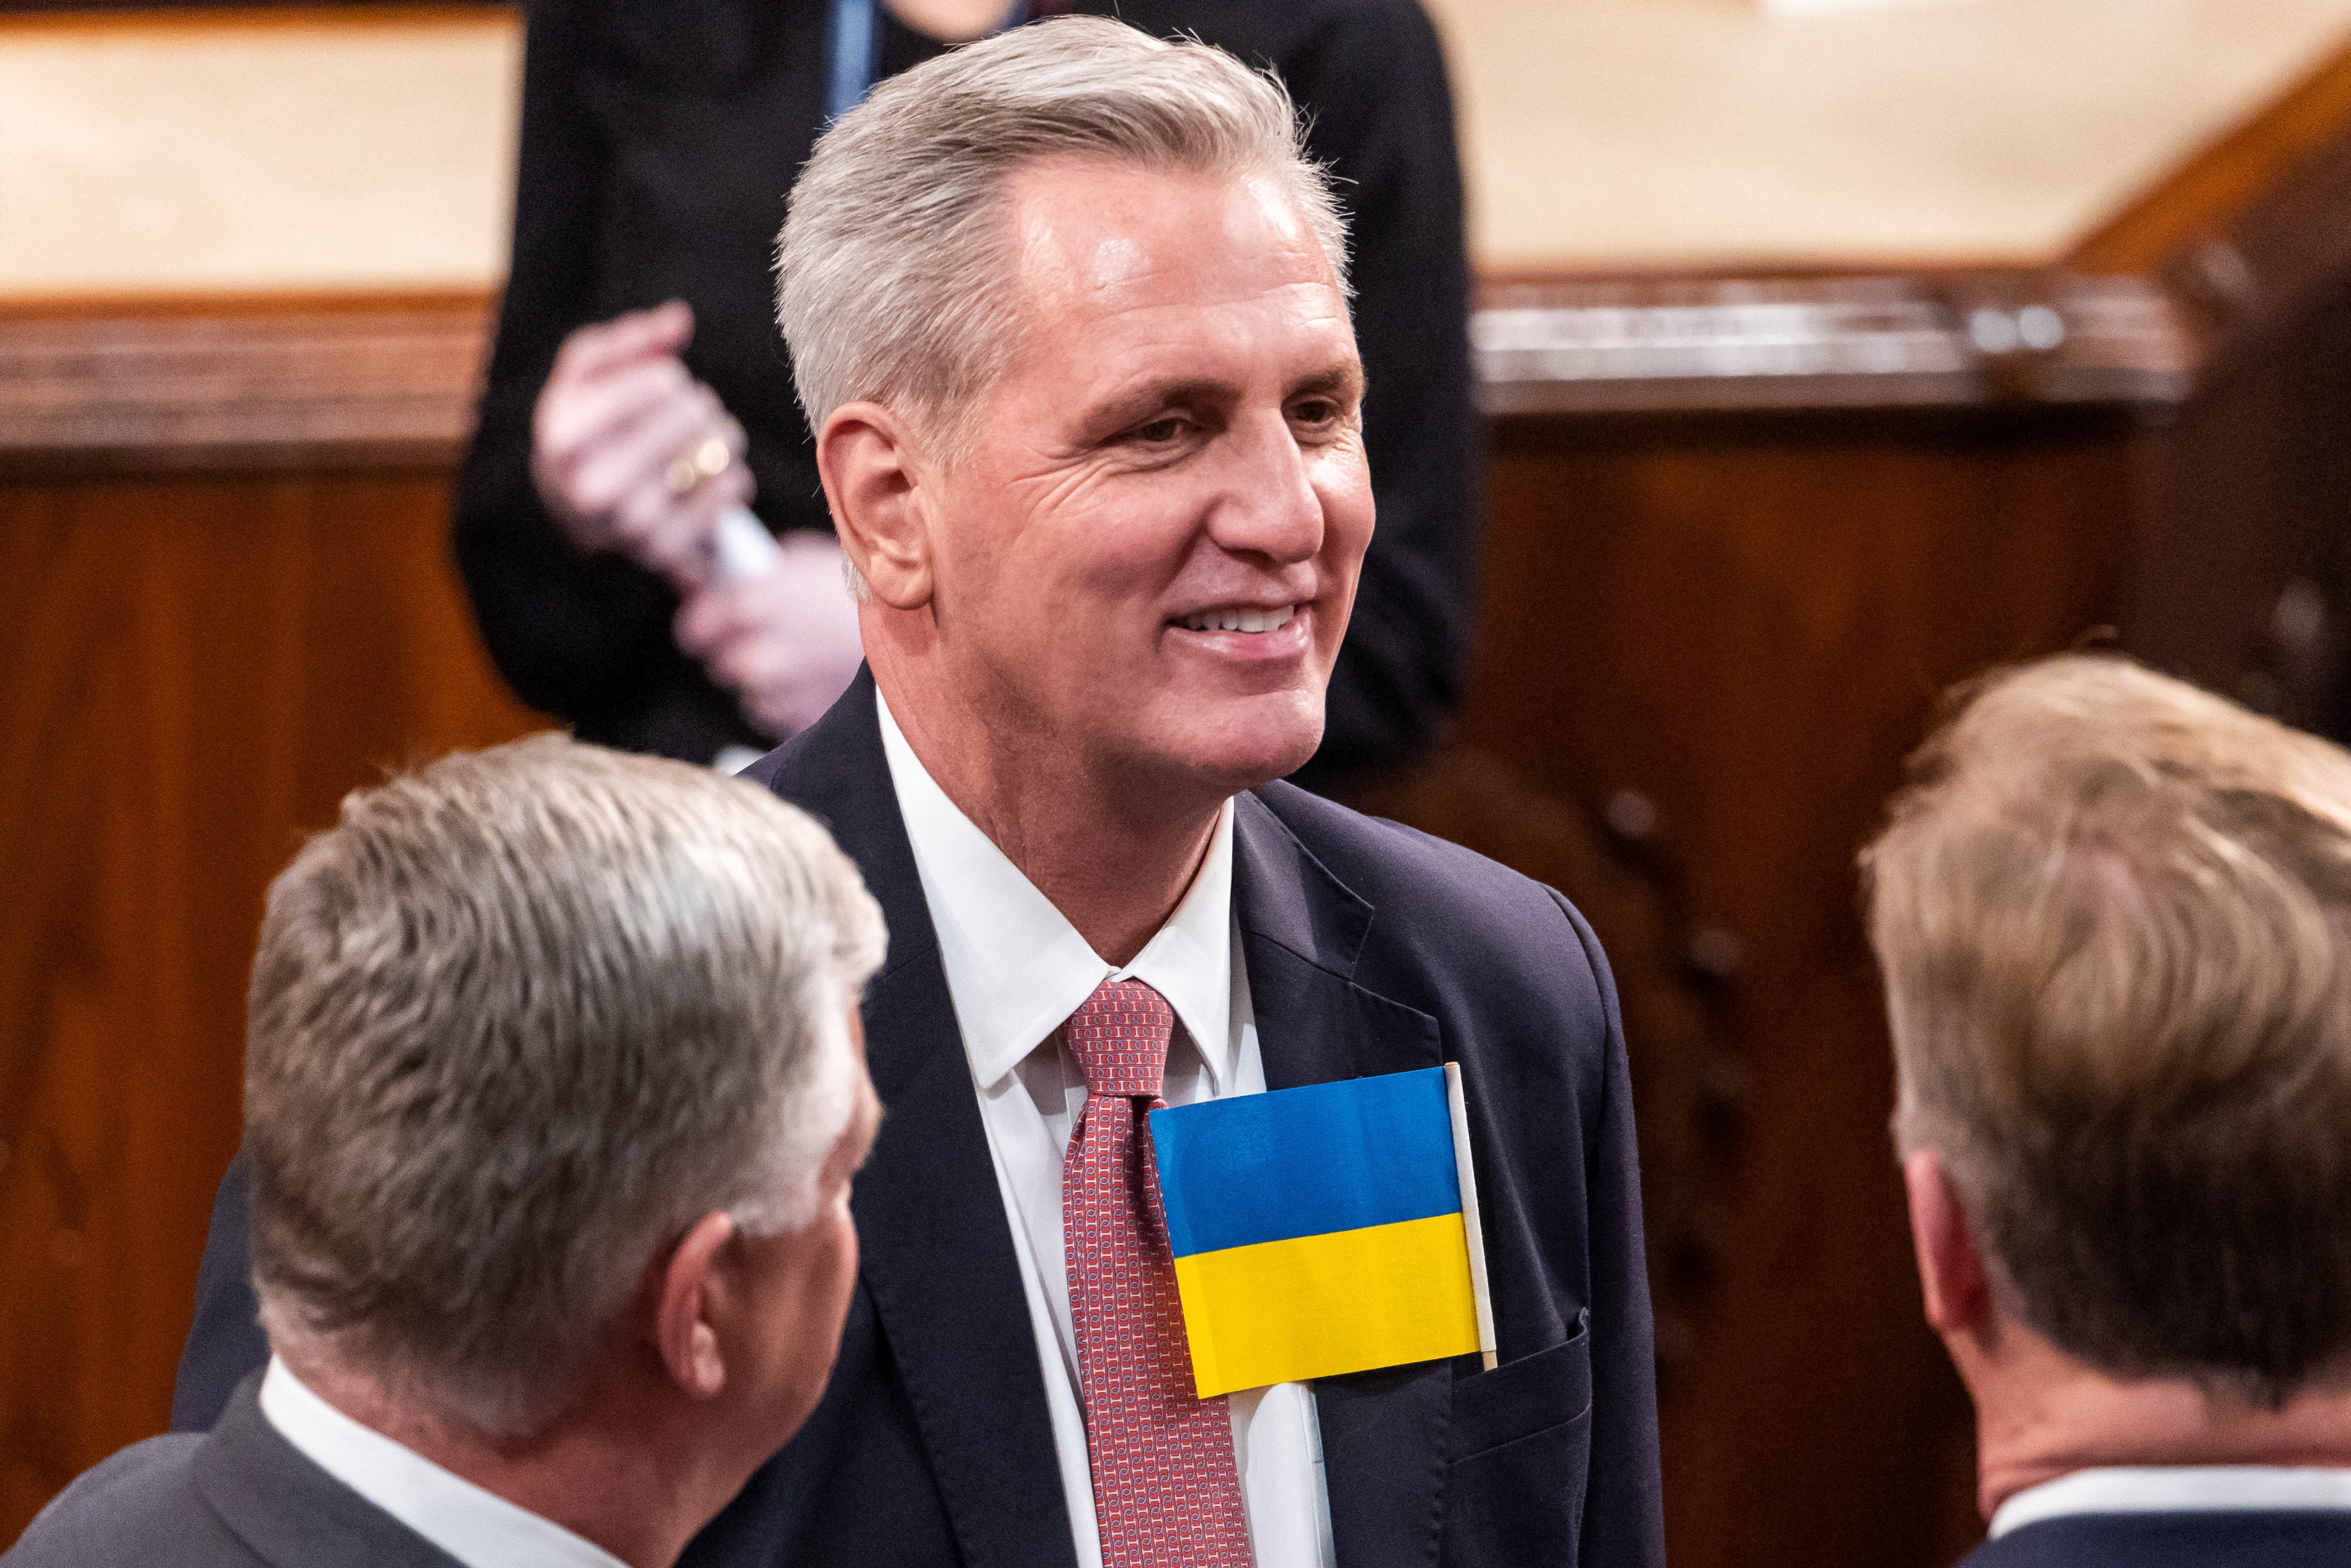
x: 1322, y: 1230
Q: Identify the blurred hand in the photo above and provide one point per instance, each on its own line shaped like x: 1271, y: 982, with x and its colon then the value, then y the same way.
x: 786, y: 641
x: 632, y: 454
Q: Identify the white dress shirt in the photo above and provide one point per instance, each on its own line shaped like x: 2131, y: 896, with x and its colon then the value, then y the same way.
x: 478, y: 1527
x: 2175, y: 1488
x: 1017, y: 969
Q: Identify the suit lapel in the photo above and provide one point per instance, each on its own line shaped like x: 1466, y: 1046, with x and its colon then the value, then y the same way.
x: 1301, y: 929
x: 938, y: 1250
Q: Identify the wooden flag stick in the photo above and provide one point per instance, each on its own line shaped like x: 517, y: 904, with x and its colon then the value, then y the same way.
x: 1468, y: 1177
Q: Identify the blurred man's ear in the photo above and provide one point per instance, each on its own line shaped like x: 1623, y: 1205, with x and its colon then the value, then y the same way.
x: 1951, y: 1273
x: 685, y: 1289
x: 868, y: 460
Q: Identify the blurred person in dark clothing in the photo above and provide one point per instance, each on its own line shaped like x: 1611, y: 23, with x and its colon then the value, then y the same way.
x: 658, y: 139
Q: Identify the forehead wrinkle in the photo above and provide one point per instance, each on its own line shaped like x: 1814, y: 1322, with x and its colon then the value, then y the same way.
x: 1118, y: 260
x: 1227, y: 327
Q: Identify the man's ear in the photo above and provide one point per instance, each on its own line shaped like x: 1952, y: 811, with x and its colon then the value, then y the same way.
x: 868, y: 459
x: 684, y: 1307
x: 1951, y: 1272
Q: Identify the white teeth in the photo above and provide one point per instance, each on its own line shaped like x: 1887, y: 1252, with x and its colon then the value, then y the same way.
x: 1241, y: 619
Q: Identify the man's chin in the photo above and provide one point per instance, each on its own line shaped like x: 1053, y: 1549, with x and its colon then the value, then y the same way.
x: 1243, y: 745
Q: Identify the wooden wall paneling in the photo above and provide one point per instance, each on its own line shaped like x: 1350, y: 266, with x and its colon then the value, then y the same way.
x: 1748, y: 623
x: 268, y: 383
x: 1708, y: 585
x: 198, y: 666
x: 2243, y: 570
x: 1672, y: 985
x: 1739, y: 343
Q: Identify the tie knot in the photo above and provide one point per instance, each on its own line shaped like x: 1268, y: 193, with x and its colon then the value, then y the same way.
x: 1120, y: 1035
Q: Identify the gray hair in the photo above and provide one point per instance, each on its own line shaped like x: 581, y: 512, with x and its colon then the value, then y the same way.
x: 517, y: 1022
x: 894, y: 272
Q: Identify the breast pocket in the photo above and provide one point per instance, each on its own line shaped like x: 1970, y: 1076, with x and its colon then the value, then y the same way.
x: 1520, y: 1444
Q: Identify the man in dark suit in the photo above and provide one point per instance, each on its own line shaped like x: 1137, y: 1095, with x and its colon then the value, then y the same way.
x: 2113, y: 915
x: 1066, y: 308
x: 552, y: 1098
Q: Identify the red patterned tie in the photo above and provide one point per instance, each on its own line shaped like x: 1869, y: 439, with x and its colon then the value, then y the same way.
x: 1166, y: 1491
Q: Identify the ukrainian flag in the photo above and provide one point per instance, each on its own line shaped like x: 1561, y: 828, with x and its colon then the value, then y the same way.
x: 1326, y: 1230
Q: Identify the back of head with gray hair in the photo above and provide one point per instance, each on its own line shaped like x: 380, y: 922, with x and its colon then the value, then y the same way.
x: 516, y: 1023
x: 894, y: 277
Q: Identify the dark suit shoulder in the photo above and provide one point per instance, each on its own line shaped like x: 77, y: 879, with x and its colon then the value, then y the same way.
x: 141, y: 1506
x: 1512, y: 973
x: 1431, y: 892
x: 2249, y: 1538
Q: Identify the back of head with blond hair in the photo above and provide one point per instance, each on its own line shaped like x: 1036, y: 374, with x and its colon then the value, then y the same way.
x: 2114, y: 918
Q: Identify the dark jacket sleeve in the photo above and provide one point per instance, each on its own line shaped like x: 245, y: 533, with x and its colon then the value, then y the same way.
x: 1624, y: 1512
x: 584, y: 637
x: 226, y: 1341
x: 1372, y: 81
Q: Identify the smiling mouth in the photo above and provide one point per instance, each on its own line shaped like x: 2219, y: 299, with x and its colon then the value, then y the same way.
x: 1237, y: 619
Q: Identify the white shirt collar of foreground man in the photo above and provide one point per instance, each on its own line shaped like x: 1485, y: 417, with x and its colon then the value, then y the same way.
x: 477, y: 1528
x: 1018, y: 969
x: 1015, y: 969
x: 2175, y: 1489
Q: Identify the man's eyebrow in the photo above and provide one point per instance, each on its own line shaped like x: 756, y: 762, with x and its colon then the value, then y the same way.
x: 1135, y: 401
x: 1343, y: 381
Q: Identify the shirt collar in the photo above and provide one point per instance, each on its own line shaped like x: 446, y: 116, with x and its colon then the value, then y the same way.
x: 2175, y: 1488
x: 1017, y: 968
x: 478, y: 1527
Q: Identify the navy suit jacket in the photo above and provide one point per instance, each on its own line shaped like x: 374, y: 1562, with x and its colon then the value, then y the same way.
x: 2250, y: 1539
x: 1370, y: 949
x: 239, y: 1495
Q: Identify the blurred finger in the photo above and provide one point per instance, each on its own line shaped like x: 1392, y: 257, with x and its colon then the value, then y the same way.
x: 752, y: 664
x: 785, y: 641
x: 687, y: 550
x: 707, y: 459
x: 602, y: 346
x: 674, y: 536
x: 709, y: 618
x: 627, y: 456
x: 579, y: 418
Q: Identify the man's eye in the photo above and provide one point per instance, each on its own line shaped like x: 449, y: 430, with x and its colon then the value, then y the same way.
x: 1159, y: 431
x: 1316, y: 413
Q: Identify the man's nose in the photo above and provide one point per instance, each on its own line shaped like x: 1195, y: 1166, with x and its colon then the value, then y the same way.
x: 1267, y: 506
